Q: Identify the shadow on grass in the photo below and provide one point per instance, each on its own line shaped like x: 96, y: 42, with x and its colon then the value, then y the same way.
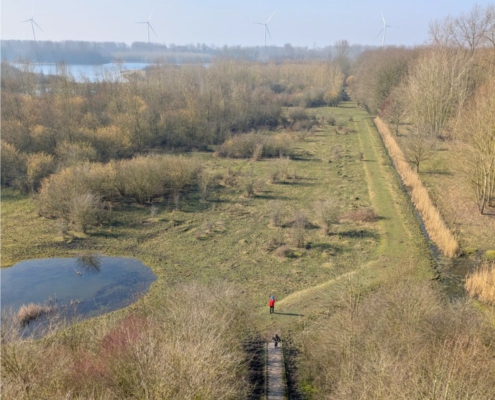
x: 289, y: 314
x: 327, y: 246
x: 437, y: 172
x: 357, y: 233
x: 295, y: 183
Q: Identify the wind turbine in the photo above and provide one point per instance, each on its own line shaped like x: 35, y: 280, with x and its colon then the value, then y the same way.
x: 266, y: 26
x: 384, y: 30
x: 33, y: 23
x: 149, y: 26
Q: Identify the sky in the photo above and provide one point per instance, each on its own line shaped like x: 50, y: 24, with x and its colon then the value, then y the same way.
x: 311, y: 23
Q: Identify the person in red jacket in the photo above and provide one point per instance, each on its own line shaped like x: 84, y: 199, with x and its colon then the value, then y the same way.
x: 271, y: 303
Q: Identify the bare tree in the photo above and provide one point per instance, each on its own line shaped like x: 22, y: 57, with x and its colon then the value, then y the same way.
x: 438, y: 86
x: 469, y: 30
x: 394, y: 108
x: 419, y: 146
x: 477, y: 132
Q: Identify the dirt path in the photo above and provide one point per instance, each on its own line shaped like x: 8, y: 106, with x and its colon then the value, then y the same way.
x: 275, y: 372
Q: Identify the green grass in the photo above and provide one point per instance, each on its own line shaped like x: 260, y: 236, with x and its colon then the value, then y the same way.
x: 227, y: 237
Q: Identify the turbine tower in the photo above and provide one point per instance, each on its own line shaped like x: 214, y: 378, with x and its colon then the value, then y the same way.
x: 33, y: 23
x: 149, y: 26
x: 266, y: 26
x: 384, y: 30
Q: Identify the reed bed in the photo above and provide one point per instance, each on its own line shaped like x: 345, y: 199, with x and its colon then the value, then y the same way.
x: 30, y: 312
x: 435, y: 226
x: 481, y: 283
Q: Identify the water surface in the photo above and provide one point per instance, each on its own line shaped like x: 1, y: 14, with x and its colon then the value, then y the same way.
x: 96, y: 284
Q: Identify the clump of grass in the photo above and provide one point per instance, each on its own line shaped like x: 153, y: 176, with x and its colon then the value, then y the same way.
x: 285, y: 252
x: 434, y: 224
x: 360, y: 215
x: 489, y: 255
x: 481, y: 283
x: 30, y: 312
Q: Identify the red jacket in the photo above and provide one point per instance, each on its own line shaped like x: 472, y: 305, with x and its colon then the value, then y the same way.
x: 271, y: 302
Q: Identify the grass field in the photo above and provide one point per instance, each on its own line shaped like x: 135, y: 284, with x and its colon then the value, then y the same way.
x: 452, y: 195
x: 230, y: 236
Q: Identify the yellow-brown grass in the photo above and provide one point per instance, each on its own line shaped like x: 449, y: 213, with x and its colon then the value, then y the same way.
x: 29, y: 312
x: 481, y: 283
x: 435, y: 226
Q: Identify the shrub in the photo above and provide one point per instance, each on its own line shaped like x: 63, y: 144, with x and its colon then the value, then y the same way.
x: 13, y: 168
x: 276, y: 213
x: 360, y: 215
x: 327, y: 212
x: 299, y: 229
x: 253, y: 145
x: 39, y: 166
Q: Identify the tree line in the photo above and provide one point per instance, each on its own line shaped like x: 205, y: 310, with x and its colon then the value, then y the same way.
x: 444, y: 91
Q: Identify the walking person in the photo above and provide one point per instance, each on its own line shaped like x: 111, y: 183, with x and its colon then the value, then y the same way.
x: 276, y: 339
x: 271, y: 304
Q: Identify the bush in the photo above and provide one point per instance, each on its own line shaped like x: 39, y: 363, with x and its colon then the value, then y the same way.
x: 360, y: 215
x: 39, y: 166
x: 13, y: 168
x: 250, y: 145
x: 327, y: 212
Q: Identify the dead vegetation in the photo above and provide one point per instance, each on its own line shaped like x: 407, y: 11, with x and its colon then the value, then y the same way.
x: 480, y: 284
x: 187, y: 346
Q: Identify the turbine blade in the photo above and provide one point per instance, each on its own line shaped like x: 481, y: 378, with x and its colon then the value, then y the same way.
x: 145, y: 22
x: 259, y: 23
x: 149, y: 18
x: 152, y: 29
x: 383, y: 19
x: 39, y: 27
x: 268, y: 20
x: 379, y: 33
x: 268, y: 30
x: 25, y: 21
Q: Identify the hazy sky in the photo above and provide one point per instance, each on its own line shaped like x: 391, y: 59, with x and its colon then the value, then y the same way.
x: 219, y: 22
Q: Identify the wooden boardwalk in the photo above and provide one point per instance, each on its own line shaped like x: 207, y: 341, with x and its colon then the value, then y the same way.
x: 275, y: 372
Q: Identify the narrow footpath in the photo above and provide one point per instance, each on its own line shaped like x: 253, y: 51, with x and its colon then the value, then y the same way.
x: 275, y: 372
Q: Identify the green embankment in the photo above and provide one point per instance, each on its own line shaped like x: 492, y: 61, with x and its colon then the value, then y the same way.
x: 402, y: 250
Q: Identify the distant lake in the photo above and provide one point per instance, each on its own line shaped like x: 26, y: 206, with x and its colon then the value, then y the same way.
x: 89, y: 72
x: 95, y: 284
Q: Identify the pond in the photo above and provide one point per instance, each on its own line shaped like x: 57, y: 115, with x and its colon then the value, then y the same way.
x: 91, y: 284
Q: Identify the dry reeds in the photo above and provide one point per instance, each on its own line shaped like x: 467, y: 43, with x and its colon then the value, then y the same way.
x: 30, y: 312
x: 481, y: 283
x: 434, y: 224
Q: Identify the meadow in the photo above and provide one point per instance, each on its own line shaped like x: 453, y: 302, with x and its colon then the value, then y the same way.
x: 332, y: 212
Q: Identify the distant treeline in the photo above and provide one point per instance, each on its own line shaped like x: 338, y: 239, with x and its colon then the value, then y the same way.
x: 79, y: 52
